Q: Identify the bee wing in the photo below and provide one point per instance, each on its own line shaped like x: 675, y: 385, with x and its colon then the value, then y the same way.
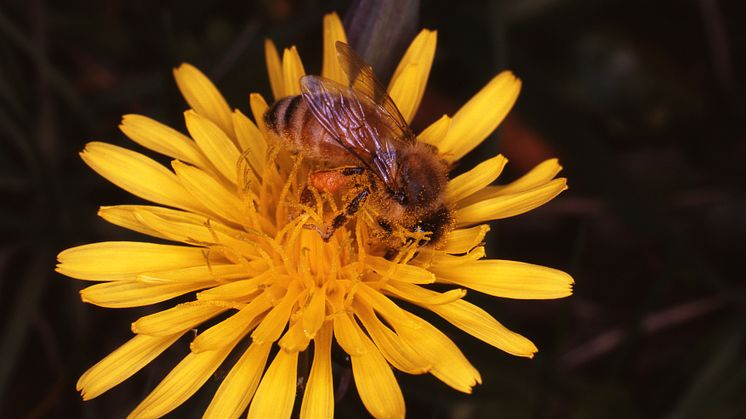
x: 363, y: 80
x: 356, y: 123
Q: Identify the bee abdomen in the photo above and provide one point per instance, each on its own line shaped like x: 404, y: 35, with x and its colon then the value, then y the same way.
x: 286, y: 116
x: 293, y: 122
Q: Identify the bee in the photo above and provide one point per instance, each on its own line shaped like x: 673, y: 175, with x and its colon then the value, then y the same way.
x: 366, y: 151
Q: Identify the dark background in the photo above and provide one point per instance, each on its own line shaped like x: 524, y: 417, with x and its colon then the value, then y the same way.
x: 642, y: 101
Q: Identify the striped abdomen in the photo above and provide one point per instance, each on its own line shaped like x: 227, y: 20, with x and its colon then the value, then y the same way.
x: 293, y: 122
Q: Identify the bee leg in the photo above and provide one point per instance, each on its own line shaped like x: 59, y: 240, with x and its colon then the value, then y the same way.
x: 385, y: 226
x: 343, y: 216
x: 349, y: 178
x: 306, y: 196
x: 331, y: 181
x: 336, y: 180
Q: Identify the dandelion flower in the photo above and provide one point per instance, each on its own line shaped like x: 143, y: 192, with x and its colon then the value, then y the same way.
x: 260, y: 285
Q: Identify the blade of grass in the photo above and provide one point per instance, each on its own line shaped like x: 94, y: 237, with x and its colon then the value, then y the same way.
x: 706, y: 389
x: 21, y: 315
x: 380, y: 30
x: 12, y: 34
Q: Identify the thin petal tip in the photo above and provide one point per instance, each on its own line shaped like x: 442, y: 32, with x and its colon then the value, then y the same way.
x: 102, y: 210
x: 177, y: 164
x: 184, y: 66
x: 190, y: 114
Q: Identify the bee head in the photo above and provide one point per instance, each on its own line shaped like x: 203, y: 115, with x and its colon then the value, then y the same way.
x: 421, y: 177
x: 437, y: 222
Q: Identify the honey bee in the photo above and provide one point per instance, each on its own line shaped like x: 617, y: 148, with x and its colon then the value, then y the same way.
x: 366, y: 151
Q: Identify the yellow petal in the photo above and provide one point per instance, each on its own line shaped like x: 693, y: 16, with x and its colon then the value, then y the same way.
x: 128, y: 216
x: 348, y: 334
x: 397, y: 351
x: 124, y: 216
x: 121, y: 294
x: 408, y: 83
x: 138, y: 175
x: 108, y: 261
x: 440, y: 259
x: 421, y: 50
x: 448, y: 363
x: 462, y: 240
x: 232, y: 328
x: 121, y: 364
x: 419, y: 295
x: 393, y: 314
x: 183, y: 381
x: 436, y: 132
x: 214, y: 143
x: 258, y: 109
x: 508, y: 279
x: 212, y: 272
x: 292, y: 71
x: 210, y: 193
x: 274, y: 322
x: 318, y: 399
x: 475, y: 179
x: 176, y: 319
x: 251, y: 141
x: 315, y: 314
x: 203, y: 96
x: 504, y: 206
x: 400, y: 272
x: 274, y: 69
x: 162, y: 139
x: 235, y: 290
x: 376, y: 383
x: 275, y: 396
x: 294, y: 339
x: 333, y: 32
x: 238, y: 387
x: 480, y: 116
x: 196, y: 230
x: 539, y: 175
x: 480, y: 324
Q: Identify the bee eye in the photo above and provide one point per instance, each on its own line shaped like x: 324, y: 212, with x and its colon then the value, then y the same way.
x: 400, y: 197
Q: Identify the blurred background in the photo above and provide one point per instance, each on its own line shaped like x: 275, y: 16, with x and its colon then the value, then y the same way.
x: 643, y: 102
